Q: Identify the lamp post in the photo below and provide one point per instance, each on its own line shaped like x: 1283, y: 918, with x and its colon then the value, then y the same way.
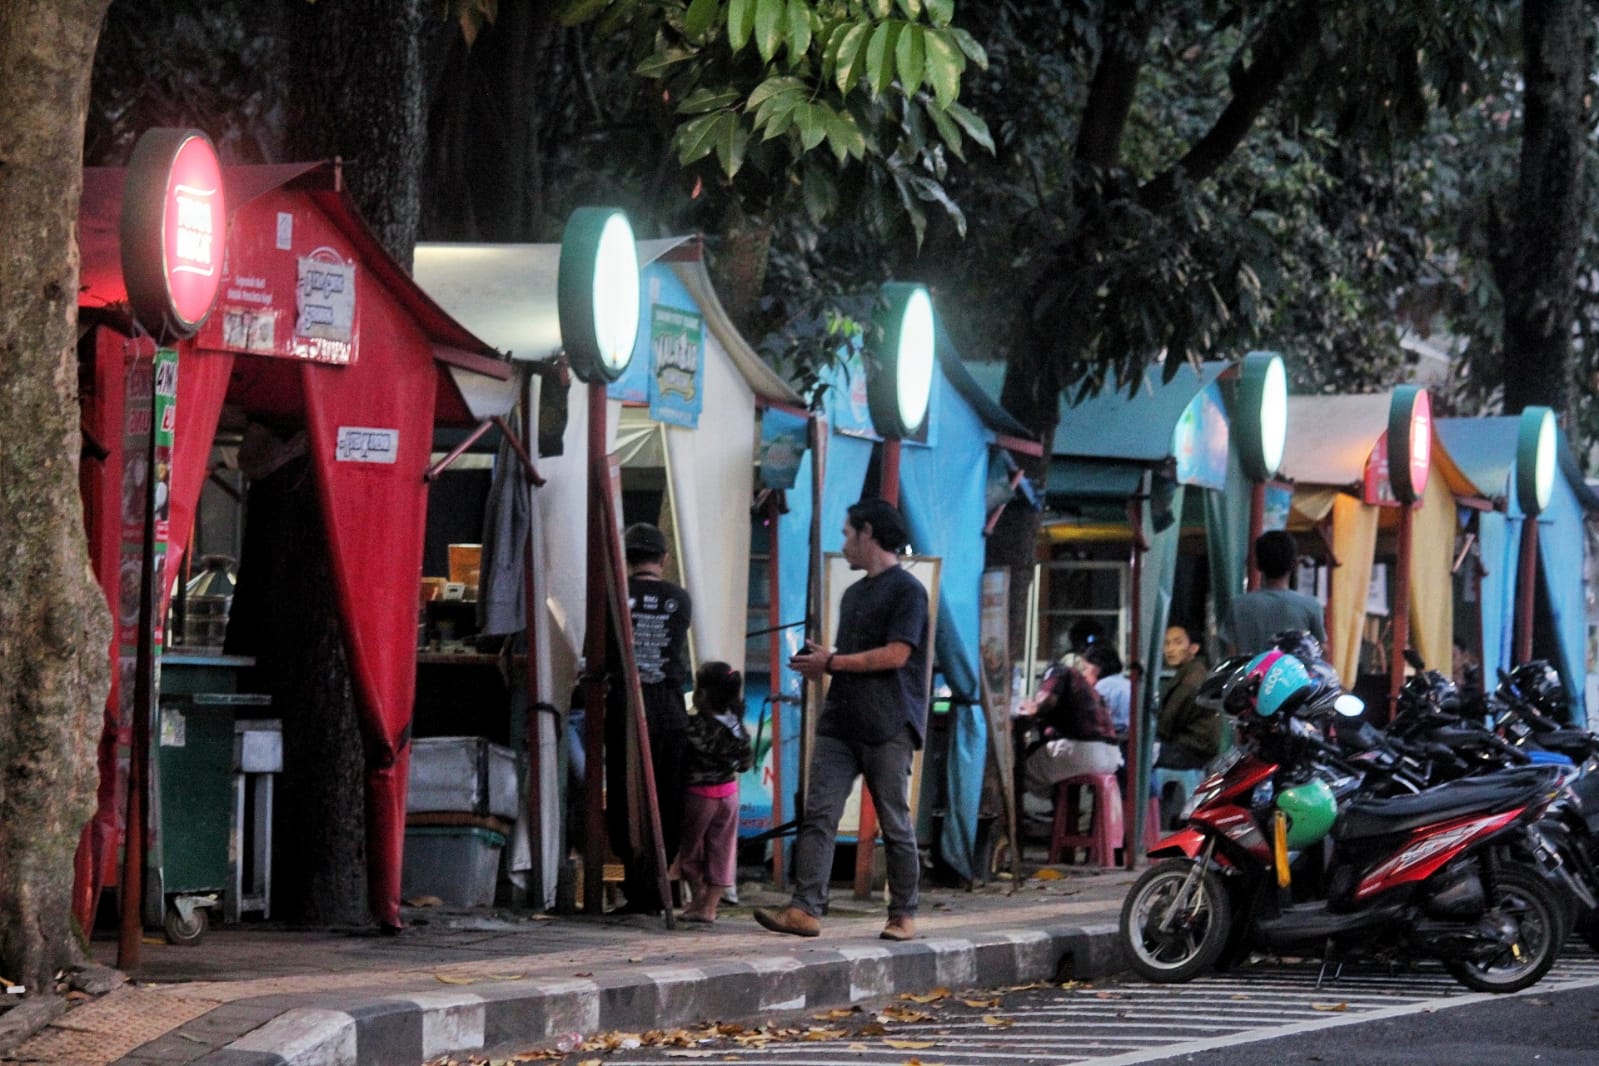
x: 172, y: 231
x: 1535, y: 481
x: 899, y: 384
x: 1262, y: 427
x: 1409, y: 461
x: 597, y: 293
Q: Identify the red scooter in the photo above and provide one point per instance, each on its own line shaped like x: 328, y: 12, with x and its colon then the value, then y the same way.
x: 1270, y: 859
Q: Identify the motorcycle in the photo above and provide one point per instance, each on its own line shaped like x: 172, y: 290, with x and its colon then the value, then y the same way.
x: 1267, y: 859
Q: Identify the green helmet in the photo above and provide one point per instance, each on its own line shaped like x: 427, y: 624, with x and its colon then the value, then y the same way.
x: 1311, y: 811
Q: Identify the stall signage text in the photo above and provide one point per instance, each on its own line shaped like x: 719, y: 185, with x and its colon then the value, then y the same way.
x: 363, y: 444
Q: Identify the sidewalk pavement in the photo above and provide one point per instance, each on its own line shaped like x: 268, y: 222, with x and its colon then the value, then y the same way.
x: 465, y: 981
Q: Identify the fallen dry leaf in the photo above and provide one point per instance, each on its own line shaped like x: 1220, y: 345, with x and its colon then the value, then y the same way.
x: 836, y: 1015
x: 979, y: 1004
x: 903, y: 1014
x: 927, y: 997
x: 1329, y: 1006
x: 997, y: 1022
x: 909, y: 1045
x: 855, y: 1047
x: 677, y: 1053
x: 1047, y: 874
x: 451, y: 979
x: 824, y: 1034
x: 424, y: 901
x: 871, y: 1029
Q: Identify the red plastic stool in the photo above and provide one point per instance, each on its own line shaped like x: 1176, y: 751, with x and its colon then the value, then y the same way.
x: 1105, y: 832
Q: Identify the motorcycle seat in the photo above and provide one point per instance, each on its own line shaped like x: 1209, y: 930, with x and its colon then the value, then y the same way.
x: 1488, y: 794
x: 1576, y: 744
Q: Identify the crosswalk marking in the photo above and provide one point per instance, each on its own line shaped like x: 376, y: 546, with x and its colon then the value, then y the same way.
x: 1133, y: 1023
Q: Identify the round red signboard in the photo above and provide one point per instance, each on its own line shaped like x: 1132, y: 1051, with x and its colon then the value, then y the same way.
x: 174, y: 226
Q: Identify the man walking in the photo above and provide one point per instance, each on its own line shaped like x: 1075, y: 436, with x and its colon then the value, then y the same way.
x: 872, y: 722
x: 1256, y: 617
x: 661, y: 612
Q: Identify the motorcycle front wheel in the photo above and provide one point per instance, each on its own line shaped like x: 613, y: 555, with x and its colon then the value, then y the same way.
x: 1175, y: 921
x: 1531, y: 903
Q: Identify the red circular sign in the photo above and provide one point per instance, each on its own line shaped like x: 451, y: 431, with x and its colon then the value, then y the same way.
x: 174, y: 226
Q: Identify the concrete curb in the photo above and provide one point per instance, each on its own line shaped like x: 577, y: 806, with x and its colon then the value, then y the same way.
x: 404, y: 1030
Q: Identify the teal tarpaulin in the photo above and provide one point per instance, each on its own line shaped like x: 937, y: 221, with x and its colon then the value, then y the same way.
x: 943, y: 495
x: 1485, y: 451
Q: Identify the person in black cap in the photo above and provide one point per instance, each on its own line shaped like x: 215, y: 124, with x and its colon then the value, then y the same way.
x: 661, y: 612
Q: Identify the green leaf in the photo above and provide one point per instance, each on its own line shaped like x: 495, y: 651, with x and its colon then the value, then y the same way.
x: 944, y: 62
x: 731, y: 139
x: 696, y: 139
x: 659, y: 64
x: 910, y: 57
x: 939, y: 12
x: 851, y: 56
x: 701, y: 13
x: 912, y: 8
x: 879, y: 9
x: 947, y: 129
x: 969, y: 47
x: 779, y: 120
x: 769, y: 27
x: 579, y: 11
x: 811, y: 121
x: 973, y: 124
x: 702, y: 100
x: 799, y: 28
x: 844, y: 136
x: 879, y: 69
x: 820, y: 193
x: 775, y: 87
x: 740, y: 20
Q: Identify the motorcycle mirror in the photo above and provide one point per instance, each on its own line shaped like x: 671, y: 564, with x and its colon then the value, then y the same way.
x: 1415, y: 660
x: 1349, y: 705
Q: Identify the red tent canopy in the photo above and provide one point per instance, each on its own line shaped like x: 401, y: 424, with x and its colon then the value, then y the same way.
x: 368, y: 371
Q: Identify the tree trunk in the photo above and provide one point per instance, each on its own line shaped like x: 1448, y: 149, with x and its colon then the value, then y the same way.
x: 1537, y: 274
x: 55, y: 630
x: 285, y: 616
x: 738, y: 265
x: 484, y: 179
x: 357, y: 94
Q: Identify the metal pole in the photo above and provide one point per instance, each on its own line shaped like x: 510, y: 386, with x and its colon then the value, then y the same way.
x: 774, y: 662
x: 594, y: 667
x: 535, y: 722
x: 1257, y: 523
x: 1132, y: 803
x: 1401, y: 609
x: 1525, y: 578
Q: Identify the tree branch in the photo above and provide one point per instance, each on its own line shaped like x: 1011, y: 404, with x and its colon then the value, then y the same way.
x: 1277, y: 50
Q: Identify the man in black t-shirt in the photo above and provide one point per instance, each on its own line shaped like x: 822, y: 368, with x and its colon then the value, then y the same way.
x: 660, y: 612
x: 873, y: 720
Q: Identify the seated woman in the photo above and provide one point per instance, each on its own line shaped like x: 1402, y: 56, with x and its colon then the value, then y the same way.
x: 1076, y: 736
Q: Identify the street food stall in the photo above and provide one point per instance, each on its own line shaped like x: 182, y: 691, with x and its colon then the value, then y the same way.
x: 315, y: 327
x: 1545, y: 617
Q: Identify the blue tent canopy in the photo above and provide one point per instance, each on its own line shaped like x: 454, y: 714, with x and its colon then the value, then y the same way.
x: 1485, y: 451
x: 943, y: 495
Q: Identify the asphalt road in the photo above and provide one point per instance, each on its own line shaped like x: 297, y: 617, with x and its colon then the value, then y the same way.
x: 1264, y: 1015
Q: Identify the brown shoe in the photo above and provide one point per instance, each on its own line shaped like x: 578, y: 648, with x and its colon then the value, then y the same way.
x: 899, y: 927
x: 789, y: 920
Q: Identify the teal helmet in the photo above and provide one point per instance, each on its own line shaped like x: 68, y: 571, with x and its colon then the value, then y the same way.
x: 1311, y: 811
x: 1283, y: 685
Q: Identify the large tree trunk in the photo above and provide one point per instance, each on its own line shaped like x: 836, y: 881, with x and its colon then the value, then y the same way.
x: 55, y: 631
x: 1537, y: 273
x: 484, y: 179
x: 285, y: 616
x: 357, y: 95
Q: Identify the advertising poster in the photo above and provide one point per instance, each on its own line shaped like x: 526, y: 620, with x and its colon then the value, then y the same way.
x: 994, y: 635
x: 677, y: 365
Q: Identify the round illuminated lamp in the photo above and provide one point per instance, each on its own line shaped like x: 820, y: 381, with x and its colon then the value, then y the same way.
x: 1409, y: 442
x: 1262, y: 423
x: 173, y: 230
x: 597, y: 293
x: 1535, y: 460
x: 899, y: 382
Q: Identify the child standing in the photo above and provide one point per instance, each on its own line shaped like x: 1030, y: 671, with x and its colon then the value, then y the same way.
x: 718, y: 751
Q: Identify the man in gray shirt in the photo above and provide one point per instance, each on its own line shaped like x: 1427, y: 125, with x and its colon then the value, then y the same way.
x: 1256, y: 617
